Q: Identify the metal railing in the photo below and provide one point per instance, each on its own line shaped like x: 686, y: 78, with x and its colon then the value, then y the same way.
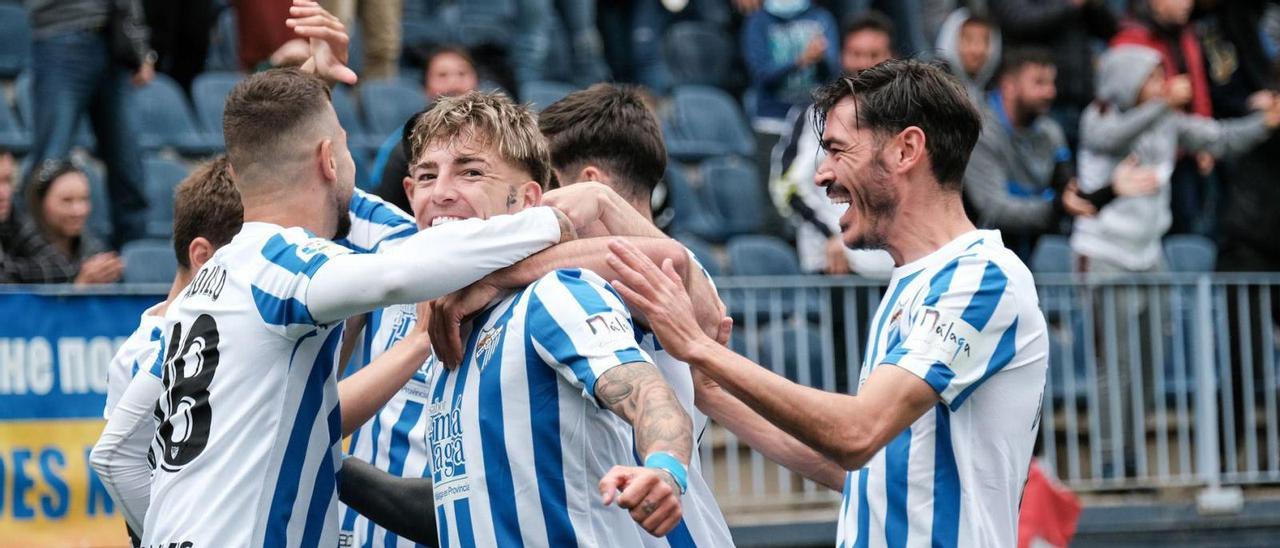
x: 1154, y: 381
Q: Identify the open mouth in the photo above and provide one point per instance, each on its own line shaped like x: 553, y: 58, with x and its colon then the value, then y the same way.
x: 444, y: 219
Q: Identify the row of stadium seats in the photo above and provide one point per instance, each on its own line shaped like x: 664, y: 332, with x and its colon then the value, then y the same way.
x: 1182, y: 253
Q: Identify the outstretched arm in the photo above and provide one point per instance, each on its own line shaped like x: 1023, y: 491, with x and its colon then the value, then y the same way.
x: 663, y: 434
x: 365, y: 392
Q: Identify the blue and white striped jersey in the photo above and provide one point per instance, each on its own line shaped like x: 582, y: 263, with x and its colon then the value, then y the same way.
x: 518, y: 440
x: 249, y: 420
x: 373, y: 222
x: 965, y: 319
x: 138, y: 353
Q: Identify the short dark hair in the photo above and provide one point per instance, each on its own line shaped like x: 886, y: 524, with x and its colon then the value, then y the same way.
x: 266, y: 105
x: 900, y: 93
x: 871, y: 20
x: 1016, y: 59
x: 206, y: 204
x: 610, y: 126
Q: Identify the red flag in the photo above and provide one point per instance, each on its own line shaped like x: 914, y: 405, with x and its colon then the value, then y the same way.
x: 1050, y: 511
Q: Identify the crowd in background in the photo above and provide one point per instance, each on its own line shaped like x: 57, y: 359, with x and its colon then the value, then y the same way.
x: 1114, y: 122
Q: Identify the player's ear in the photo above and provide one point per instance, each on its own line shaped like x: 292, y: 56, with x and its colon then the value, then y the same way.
x: 328, y: 163
x: 408, y: 188
x: 530, y: 193
x: 591, y: 173
x: 908, y: 150
x: 199, y: 251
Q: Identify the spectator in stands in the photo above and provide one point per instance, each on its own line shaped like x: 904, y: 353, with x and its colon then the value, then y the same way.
x: 379, y: 22
x: 1067, y: 28
x: 53, y: 236
x: 180, y: 35
x: 1137, y: 114
x: 866, y: 41
x: 1017, y: 179
x: 633, y: 33
x: 508, y: 40
x: 907, y: 18
x: 970, y: 45
x: 1165, y: 26
x: 790, y: 48
x: 450, y: 71
x: 84, y: 55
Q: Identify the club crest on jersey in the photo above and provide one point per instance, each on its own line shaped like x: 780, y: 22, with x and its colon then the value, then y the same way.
x: 486, y: 344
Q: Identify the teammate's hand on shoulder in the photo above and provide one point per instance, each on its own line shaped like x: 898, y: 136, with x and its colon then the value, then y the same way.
x: 583, y: 203
x: 660, y: 295
x: 328, y: 39
x: 447, y: 315
x: 651, y: 495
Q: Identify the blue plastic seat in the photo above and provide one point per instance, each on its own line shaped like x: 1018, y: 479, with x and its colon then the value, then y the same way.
x: 698, y: 53
x: 149, y: 261
x: 1190, y: 253
x: 705, y: 122
x: 388, y: 104
x: 758, y: 255
x: 163, y: 119
x: 162, y: 176
x: 692, y: 215
x: 732, y: 189
x: 542, y: 93
x: 15, y: 40
x: 209, y: 92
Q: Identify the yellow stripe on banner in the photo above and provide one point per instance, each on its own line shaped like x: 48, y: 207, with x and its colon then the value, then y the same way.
x: 48, y: 494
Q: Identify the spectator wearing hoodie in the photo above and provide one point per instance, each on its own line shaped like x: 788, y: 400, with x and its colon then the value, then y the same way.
x: 790, y: 48
x: 1018, y: 174
x: 970, y: 45
x: 1138, y: 115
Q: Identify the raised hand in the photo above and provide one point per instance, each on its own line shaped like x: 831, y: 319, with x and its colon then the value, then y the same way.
x: 328, y: 39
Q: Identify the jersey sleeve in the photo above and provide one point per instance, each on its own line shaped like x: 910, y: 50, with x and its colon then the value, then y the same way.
x: 579, y: 326
x: 142, y: 352
x: 962, y: 332
x: 279, y: 288
x: 374, y: 222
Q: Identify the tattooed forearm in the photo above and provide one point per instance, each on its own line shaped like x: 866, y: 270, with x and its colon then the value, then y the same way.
x: 638, y: 393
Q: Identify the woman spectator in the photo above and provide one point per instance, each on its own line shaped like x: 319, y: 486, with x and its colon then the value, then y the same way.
x: 58, y: 206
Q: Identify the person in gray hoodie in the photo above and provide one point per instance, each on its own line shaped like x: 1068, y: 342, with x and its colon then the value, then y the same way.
x: 1136, y: 114
x: 971, y: 47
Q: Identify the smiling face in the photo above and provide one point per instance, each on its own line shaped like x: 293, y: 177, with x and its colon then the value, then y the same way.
x: 854, y: 174
x: 449, y: 74
x: 466, y: 178
x: 66, y: 206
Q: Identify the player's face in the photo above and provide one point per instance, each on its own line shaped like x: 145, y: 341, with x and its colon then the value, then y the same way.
x: 853, y: 173
x: 863, y: 50
x: 464, y: 179
x: 66, y: 206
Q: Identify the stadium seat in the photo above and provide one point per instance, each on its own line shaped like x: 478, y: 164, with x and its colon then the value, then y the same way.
x: 787, y: 349
x: 1190, y: 253
x: 388, y: 104
x: 209, y: 92
x: 12, y: 135
x: 162, y: 176
x: 703, y: 252
x: 698, y: 53
x: 1052, y: 255
x: 358, y: 138
x: 542, y: 93
x: 704, y: 122
x: 691, y: 214
x: 731, y: 189
x: 163, y: 119
x: 757, y: 255
x: 149, y: 262
x: 15, y: 40
x: 99, y: 223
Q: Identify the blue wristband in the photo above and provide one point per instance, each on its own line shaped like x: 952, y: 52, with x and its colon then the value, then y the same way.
x: 661, y: 460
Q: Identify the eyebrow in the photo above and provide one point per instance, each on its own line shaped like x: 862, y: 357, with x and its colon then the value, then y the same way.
x: 462, y: 160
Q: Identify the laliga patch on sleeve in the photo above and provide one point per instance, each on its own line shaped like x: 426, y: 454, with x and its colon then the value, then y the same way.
x: 320, y: 246
x: 937, y: 336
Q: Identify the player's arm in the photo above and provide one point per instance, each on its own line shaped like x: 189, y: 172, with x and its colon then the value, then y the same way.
x: 120, y: 456
x: 593, y: 206
x: 361, y: 395
x: 663, y: 434
x: 588, y: 253
x: 846, y: 429
x: 403, y: 506
x: 429, y: 264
